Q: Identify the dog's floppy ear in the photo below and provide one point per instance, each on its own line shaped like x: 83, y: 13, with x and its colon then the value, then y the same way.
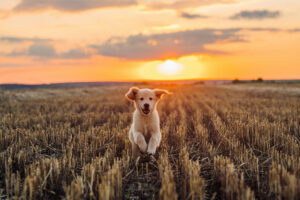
x: 131, y: 94
x: 160, y: 92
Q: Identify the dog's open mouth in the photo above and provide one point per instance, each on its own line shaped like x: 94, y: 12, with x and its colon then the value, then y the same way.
x: 146, y: 111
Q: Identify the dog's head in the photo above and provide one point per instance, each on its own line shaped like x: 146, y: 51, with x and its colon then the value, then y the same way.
x: 145, y: 99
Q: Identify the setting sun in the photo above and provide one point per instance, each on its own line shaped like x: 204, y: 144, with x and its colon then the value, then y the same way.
x: 187, y: 67
x: 170, y: 68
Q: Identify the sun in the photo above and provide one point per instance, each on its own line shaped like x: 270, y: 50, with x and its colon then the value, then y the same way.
x: 183, y: 68
x: 170, y: 68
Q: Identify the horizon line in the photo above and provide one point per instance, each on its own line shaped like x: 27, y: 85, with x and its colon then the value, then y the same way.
x: 145, y: 80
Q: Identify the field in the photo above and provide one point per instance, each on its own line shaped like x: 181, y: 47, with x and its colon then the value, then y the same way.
x: 218, y: 142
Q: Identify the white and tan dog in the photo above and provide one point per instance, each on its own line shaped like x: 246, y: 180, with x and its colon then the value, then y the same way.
x: 144, y: 133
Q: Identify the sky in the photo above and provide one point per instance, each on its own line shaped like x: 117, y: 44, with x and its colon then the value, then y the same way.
x: 50, y: 41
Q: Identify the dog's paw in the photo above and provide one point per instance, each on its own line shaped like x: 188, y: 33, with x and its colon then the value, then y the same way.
x: 143, y: 148
x: 151, y: 151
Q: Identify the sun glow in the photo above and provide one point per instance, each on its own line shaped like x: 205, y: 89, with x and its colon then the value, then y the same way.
x: 170, y: 68
x: 187, y: 67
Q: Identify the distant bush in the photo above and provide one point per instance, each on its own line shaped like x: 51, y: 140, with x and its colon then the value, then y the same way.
x: 258, y: 80
x: 235, y: 81
x: 144, y: 83
x: 199, y: 83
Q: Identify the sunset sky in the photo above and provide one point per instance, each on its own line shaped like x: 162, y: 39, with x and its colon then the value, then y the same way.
x: 48, y: 41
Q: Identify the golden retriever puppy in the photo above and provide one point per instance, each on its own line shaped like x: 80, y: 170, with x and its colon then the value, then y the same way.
x: 144, y: 133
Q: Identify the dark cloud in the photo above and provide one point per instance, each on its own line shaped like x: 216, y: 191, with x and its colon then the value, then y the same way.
x: 70, y: 5
x: 295, y: 30
x: 15, y: 65
x: 191, y: 15
x: 176, y: 44
x: 47, y: 51
x: 182, y: 4
x: 75, y: 54
x: 146, y: 47
x: 256, y: 14
x: 160, y: 46
x: 81, y: 5
x: 37, y: 50
x: 20, y: 39
x: 42, y: 50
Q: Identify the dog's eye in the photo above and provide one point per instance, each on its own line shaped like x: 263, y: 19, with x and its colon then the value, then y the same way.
x: 150, y: 99
x: 141, y: 99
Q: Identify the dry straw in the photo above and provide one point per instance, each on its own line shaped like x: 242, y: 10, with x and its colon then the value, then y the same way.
x: 217, y: 143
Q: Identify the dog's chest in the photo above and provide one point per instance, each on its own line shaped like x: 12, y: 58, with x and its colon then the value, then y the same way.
x: 147, y: 131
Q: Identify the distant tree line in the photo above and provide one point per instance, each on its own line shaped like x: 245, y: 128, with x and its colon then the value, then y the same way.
x: 258, y: 80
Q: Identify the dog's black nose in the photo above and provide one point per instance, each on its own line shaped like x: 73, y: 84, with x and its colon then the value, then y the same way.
x: 146, y: 105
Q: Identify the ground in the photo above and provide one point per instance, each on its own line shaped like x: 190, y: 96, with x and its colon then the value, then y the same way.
x: 218, y: 142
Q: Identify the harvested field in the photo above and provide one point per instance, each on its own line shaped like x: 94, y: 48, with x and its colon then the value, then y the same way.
x: 218, y: 142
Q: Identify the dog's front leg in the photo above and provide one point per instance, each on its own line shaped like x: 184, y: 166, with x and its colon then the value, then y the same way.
x: 139, y: 139
x: 135, y: 150
x: 154, y: 143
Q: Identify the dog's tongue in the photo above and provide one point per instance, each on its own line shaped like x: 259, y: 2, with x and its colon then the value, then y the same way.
x: 146, y: 111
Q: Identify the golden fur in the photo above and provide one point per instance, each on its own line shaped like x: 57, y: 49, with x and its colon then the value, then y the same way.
x: 144, y: 133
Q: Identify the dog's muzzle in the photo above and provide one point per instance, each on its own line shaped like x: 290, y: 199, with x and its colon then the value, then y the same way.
x: 146, y: 111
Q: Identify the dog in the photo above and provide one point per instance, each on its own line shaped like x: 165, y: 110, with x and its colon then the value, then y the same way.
x: 144, y: 133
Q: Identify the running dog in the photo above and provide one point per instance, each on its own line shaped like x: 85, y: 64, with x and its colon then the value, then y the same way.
x: 144, y: 133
